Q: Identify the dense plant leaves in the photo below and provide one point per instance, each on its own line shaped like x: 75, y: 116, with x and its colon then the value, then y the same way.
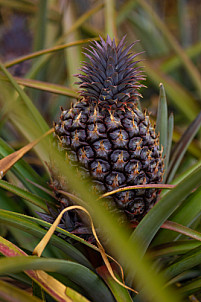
x: 20, y: 222
x: 187, y: 261
x: 52, y: 286
x: 24, y: 171
x: 173, y: 248
x: 174, y: 91
x: 86, y: 279
x: 119, y: 292
x: 187, y: 63
x: 151, y: 223
x: 27, y: 101
x: 185, y: 215
x: 38, y: 201
x: 191, y: 287
x: 75, y: 296
x: 45, y: 86
x: 182, y: 176
x: 46, y: 51
x: 7, y: 162
x: 10, y: 293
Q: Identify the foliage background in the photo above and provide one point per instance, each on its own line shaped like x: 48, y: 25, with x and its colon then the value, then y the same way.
x: 170, y: 34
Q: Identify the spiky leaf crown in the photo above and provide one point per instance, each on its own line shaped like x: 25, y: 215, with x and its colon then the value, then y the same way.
x: 111, y: 79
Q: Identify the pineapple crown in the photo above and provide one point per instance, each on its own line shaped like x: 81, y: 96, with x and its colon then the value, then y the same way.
x: 111, y: 79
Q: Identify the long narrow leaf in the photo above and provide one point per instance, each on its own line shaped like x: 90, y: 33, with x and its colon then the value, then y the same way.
x: 186, y: 214
x: 32, y: 109
x: 189, y: 260
x: 38, y: 201
x: 174, y: 91
x: 50, y: 87
x: 190, y: 67
x: 7, y: 162
x: 173, y: 248
x: 10, y: 293
x: 23, y: 171
x: 32, y: 228
x: 52, y: 286
x: 151, y: 223
x: 162, y: 122
x: 182, y: 146
x: 86, y: 279
x: 192, y: 287
x: 120, y: 293
x: 169, y: 143
x: 47, y: 51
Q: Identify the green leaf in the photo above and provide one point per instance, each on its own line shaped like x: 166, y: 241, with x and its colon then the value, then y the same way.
x: 174, y: 91
x: 182, y: 176
x: 110, y: 24
x: 183, y: 263
x: 10, y: 293
x: 86, y: 279
x: 32, y: 109
x: 23, y: 171
x: 151, y: 223
x: 47, y: 51
x: 20, y: 222
x: 194, y: 74
x: 186, y: 214
x: 45, y: 86
x: 173, y: 248
x: 162, y: 122
x: 120, y: 293
x: 41, y: 24
x: 169, y: 144
x: 75, y: 296
x: 36, y: 200
x: 52, y: 286
x: 182, y: 146
x: 191, y: 287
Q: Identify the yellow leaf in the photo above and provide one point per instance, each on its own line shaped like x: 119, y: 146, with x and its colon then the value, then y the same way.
x: 7, y: 162
x: 42, y: 244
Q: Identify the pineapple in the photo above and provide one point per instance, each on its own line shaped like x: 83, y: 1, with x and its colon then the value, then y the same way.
x: 106, y: 133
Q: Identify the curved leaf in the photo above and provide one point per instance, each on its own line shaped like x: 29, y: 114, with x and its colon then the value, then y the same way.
x: 32, y: 228
x: 38, y: 201
x: 182, y: 146
x: 186, y: 214
x: 10, y: 293
x: 173, y: 248
x: 151, y: 223
x: 189, y: 260
x: 86, y: 279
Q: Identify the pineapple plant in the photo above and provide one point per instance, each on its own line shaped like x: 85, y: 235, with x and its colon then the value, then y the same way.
x: 106, y: 134
x: 172, y: 255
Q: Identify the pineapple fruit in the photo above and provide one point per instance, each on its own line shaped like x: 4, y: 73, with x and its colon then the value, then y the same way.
x: 107, y: 135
